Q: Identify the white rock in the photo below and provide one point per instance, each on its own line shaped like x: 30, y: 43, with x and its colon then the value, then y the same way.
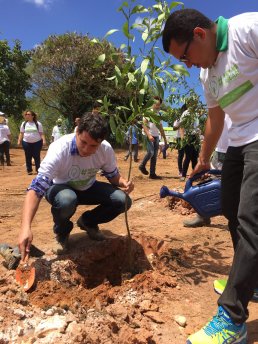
x: 180, y: 320
x: 55, y: 323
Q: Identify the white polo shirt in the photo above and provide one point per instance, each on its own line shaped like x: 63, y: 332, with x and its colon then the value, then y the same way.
x: 232, y: 82
x: 64, y: 165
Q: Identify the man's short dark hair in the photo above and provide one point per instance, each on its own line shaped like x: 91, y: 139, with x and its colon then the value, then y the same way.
x: 96, y: 105
x: 180, y: 25
x: 158, y: 98
x: 94, y: 124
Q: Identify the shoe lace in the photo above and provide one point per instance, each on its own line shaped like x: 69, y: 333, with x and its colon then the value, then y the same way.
x: 220, y: 325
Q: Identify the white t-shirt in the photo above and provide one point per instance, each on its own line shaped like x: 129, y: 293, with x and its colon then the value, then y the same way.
x: 79, y: 172
x: 57, y: 132
x: 232, y: 83
x: 31, y: 133
x: 4, y: 132
x: 223, y: 142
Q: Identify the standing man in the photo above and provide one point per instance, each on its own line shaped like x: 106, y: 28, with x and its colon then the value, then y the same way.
x: 227, y: 52
x: 151, y: 132
x: 58, y: 130
x: 67, y: 178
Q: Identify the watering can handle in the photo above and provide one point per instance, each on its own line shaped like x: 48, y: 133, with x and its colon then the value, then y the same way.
x: 199, y: 175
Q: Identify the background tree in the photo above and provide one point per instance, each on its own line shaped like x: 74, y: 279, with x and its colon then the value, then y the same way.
x: 69, y: 72
x: 14, y: 80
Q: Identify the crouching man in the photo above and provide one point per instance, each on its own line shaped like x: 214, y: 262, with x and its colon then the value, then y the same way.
x: 67, y: 178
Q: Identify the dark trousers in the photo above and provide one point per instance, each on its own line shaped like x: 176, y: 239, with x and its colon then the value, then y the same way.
x: 109, y: 199
x: 135, y: 148
x: 191, y: 154
x: 32, y: 150
x: 240, y: 207
x: 152, y: 153
x: 180, y: 155
x: 5, y: 150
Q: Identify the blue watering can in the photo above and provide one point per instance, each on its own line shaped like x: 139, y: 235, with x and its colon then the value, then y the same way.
x: 204, y: 197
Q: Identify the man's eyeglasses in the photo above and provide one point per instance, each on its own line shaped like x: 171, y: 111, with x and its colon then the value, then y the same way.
x: 184, y: 58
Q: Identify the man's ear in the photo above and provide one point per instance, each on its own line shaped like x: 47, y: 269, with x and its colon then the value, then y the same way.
x: 199, y: 32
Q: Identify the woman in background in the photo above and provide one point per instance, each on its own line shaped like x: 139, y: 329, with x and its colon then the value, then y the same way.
x: 32, y: 139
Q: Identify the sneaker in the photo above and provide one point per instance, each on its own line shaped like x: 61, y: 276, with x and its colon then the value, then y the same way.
x: 198, y: 221
x: 182, y: 179
x: 61, y: 245
x: 30, y: 173
x: 220, y: 284
x: 154, y: 176
x: 143, y: 170
x: 93, y: 231
x: 220, y: 330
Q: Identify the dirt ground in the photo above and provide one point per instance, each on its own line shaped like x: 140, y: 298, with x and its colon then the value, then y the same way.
x: 93, y: 294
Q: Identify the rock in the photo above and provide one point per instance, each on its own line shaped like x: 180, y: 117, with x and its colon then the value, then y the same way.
x: 147, y: 305
x: 52, y: 324
x: 154, y: 316
x: 20, y: 313
x: 180, y: 320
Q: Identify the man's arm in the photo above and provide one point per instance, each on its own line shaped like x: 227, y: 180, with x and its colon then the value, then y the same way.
x: 30, y: 208
x: 118, y: 180
x: 213, y: 129
x: 146, y: 129
x: 162, y: 133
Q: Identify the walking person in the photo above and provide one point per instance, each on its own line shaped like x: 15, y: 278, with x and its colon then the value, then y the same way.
x: 67, y: 178
x: 5, y: 138
x: 227, y: 53
x: 32, y: 139
x: 151, y: 132
x: 132, y: 141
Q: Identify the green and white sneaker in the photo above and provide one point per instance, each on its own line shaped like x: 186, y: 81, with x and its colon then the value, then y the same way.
x: 220, y: 284
x: 220, y: 330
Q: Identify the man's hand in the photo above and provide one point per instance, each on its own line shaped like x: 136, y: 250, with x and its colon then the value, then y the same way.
x: 151, y: 138
x: 200, y: 166
x: 128, y: 186
x: 25, y: 239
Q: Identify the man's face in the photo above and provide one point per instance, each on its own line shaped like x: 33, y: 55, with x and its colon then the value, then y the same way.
x: 86, y: 144
x: 197, y: 52
x: 156, y: 105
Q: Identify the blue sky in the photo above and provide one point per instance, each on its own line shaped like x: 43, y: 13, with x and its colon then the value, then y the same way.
x: 32, y: 21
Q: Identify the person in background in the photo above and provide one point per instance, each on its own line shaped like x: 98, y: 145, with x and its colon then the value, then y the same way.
x: 151, y: 132
x: 96, y: 108
x: 67, y: 178
x: 191, y: 135
x: 58, y: 130
x: 5, y: 138
x: 227, y: 53
x: 76, y: 123
x: 32, y: 139
x: 217, y: 161
x: 180, y: 149
x: 132, y: 141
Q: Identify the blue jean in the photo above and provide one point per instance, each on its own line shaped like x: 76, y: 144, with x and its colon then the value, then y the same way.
x: 152, y: 153
x: 240, y: 207
x: 32, y: 150
x: 64, y: 201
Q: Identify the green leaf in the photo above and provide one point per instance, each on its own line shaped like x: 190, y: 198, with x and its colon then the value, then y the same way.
x: 112, y: 124
x: 110, y: 32
x: 180, y: 69
x: 144, y: 35
x: 102, y: 57
x: 144, y: 65
x: 175, y: 3
x: 139, y: 9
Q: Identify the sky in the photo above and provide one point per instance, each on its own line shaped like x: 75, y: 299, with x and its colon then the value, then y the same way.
x: 32, y: 21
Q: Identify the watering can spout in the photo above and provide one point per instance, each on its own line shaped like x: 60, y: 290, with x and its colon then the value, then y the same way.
x: 165, y: 191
